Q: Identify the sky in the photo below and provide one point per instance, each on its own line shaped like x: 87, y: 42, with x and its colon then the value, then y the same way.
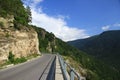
x: 75, y: 19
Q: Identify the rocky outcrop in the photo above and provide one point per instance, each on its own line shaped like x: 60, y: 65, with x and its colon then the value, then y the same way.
x: 51, y: 45
x: 19, y: 42
x: 7, y: 22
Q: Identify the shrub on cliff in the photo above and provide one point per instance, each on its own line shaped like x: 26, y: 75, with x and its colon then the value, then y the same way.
x: 14, y: 60
x: 1, y: 24
x: 15, y: 7
x: 11, y: 57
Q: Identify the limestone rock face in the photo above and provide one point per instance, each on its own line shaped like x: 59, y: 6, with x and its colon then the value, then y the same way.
x: 20, y: 43
x: 7, y: 22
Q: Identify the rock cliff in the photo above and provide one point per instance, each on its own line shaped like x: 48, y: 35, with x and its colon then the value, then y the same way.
x: 19, y: 42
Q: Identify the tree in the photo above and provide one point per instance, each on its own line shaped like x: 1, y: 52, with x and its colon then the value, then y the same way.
x: 15, y: 8
x: 28, y: 10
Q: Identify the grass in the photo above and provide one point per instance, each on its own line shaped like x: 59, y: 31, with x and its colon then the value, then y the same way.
x: 19, y: 60
x: 12, y: 60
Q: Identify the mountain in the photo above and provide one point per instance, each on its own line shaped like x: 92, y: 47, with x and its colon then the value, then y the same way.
x: 92, y: 68
x: 20, y: 37
x: 105, y: 47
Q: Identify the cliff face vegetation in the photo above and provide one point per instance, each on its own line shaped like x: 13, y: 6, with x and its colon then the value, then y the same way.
x: 21, y: 39
x: 47, y: 40
x: 16, y: 35
x: 21, y: 43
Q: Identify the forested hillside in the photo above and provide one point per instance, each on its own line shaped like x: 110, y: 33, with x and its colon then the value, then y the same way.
x: 95, y: 69
x: 48, y: 43
x: 105, y: 47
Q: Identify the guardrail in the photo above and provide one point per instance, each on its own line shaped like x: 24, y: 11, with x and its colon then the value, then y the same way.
x: 51, y: 74
x: 68, y: 72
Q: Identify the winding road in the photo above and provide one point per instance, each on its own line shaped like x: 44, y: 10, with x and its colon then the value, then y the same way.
x: 37, y: 69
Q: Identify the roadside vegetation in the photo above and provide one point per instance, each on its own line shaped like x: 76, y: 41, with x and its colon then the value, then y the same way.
x: 22, y: 18
x: 95, y: 69
x: 13, y: 61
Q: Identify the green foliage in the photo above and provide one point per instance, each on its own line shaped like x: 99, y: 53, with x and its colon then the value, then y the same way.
x: 11, y: 57
x: 16, y: 8
x: 3, y: 13
x: 28, y: 10
x: 49, y: 36
x: 91, y: 77
x: 96, y: 70
x: 104, y: 47
x: 14, y: 60
x: 44, y: 38
x: 19, y: 60
x: 7, y: 35
x: 1, y: 24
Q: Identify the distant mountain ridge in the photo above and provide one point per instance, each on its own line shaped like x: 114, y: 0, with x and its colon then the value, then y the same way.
x: 21, y: 36
x: 93, y: 68
x: 105, y: 46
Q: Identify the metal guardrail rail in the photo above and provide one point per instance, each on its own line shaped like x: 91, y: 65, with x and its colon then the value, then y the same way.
x: 71, y: 74
x: 49, y: 71
x: 51, y: 74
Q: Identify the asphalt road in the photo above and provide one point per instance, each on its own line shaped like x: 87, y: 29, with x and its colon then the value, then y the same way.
x: 32, y: 70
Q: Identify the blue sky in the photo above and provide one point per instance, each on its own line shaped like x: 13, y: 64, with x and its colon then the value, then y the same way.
x: 74, y: 19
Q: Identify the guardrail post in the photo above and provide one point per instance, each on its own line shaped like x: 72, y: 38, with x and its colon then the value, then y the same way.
x: 72, y: 74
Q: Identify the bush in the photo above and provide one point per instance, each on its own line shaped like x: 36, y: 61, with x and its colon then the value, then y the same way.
x: 20, y: 60
x: 3, y: 13
x: 11, y: 57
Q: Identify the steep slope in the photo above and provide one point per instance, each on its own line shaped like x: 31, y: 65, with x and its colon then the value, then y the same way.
x: 16, y: 36
x: 20, y: 43
x: 92, y: 69
x: 20, y: 38
x: 105, y: 46
x: 15, y: 8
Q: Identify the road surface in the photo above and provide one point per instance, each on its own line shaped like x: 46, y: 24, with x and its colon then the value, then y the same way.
x: 32, y: 70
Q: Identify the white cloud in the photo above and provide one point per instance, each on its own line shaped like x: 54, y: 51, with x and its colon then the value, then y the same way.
x: 36, y: 1
x: 117, y: 25
x: 105, y: 28
x: 31, y: 3
x: 56, y: 25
